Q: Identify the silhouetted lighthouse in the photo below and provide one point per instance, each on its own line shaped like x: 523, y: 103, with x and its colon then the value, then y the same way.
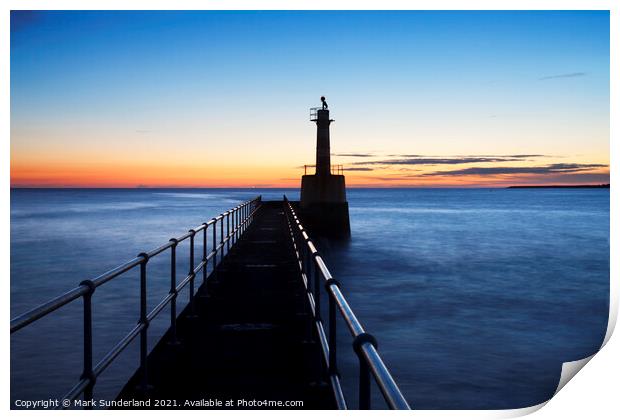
x: 323, y: 161
x: 323, y: 195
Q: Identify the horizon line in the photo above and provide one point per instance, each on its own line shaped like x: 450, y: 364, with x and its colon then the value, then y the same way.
x: 20, y: 187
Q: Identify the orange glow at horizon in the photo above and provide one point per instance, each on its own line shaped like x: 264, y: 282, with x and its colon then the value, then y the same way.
x: 254, y: 156
x: 127, y: 175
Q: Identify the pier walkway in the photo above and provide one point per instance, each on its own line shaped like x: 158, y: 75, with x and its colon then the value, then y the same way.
x: 246, y: 341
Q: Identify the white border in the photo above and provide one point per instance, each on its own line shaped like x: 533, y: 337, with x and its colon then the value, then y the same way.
x: 592, y: 395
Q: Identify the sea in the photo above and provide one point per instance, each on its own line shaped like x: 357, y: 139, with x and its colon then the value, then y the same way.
x: 476, y: 296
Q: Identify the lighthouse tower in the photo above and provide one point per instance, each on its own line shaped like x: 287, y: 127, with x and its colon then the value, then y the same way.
x: 324, y: 204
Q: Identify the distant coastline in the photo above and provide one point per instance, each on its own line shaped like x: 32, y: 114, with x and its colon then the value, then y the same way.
x: 561, y: 186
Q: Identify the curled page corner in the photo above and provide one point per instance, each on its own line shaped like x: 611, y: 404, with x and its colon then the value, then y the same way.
x: 481, y: 414
x: 520, y: 412
x: 569, y: 370
x: 613, y: 313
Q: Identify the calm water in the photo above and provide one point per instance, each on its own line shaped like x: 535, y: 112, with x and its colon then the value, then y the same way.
x: 476, y: 296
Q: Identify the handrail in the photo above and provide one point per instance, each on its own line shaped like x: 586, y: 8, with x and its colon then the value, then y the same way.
x: 336, y: 169
x: 40, y: 311
x: 237, y: 221
x: 314, y: 271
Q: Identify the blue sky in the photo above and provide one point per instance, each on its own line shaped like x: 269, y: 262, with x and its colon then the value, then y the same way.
x: 87, y: 87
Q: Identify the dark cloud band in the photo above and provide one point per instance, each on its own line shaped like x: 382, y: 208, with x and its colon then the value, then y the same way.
x: 444, y: 161
x: 556, y: 168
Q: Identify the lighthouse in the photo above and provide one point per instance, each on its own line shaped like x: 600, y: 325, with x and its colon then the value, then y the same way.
x: 324, y: 204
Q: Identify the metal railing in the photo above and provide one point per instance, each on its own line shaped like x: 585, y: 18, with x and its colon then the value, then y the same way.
x: 314, y: 113
x: 336, y: 169
x: 236, y: 221
x: 314, y: 273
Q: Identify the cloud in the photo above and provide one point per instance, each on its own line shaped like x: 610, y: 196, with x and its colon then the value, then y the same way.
x: 406, y: 159
x: 387, y: 178
x: 442, y: 161
x: 563, y: 76
x: 359, y: 168
x: 355, y: 154
x: 527, y: 156
x: 407, y: 156
x: 556, y: 168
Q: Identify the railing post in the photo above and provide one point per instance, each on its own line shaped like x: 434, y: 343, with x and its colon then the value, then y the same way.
x: 144, y: 382
x: 227, y: 231
x: 87, y: 373
x: 214, y: 245
x: 303, y: 244
x: 303, y: 254
x: 244, y: 215
x: 364, y: 380
x: 222, y: 237
x: 364, y: 391
x: 307, y: 256
x: 234, y: 224
x: 173, y: 291
x: 317, y: 285
x: 237, y: 223
x: 191, y: 272
x: 241, y: 213
x: 204, y: 253
x: 333, y: 342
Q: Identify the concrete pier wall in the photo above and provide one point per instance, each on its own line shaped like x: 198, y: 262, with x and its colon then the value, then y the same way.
x: 322, y: 189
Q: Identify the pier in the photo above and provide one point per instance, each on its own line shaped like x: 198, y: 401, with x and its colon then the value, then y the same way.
x: 253, y: 329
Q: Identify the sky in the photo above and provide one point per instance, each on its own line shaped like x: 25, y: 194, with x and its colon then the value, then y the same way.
x: 221, y: 99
